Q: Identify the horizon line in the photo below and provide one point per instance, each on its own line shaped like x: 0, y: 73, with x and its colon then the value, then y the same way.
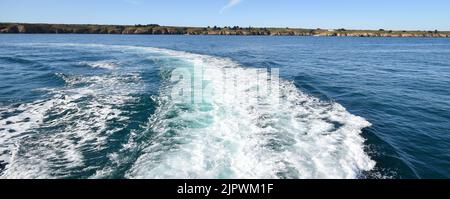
x: 188, y: 26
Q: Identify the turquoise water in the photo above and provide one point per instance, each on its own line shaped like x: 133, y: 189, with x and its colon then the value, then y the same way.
x: 99, y: 106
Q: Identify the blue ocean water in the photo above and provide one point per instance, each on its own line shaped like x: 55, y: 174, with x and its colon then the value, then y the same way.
x: 98, y: 106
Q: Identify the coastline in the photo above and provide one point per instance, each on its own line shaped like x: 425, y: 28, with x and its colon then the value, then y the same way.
x: 154, y: 29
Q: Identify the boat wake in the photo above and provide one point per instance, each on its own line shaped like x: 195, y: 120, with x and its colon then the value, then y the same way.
x: 291, y: 135
x: 295, y: 136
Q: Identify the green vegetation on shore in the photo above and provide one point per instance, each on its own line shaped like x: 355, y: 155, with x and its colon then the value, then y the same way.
x: 171, y: 30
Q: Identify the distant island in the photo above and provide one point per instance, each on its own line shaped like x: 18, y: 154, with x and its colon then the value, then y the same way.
x: 155, y: 29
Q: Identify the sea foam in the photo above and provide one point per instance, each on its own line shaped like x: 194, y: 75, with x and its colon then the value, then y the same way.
x: 49, y: 138
x: 293, y: 135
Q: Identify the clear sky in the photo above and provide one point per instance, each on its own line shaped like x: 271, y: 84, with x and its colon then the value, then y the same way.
x: 351, y: 14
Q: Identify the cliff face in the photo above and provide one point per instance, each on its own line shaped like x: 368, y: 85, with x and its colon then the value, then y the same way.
x: 380, y: 33
x: 156, y: 29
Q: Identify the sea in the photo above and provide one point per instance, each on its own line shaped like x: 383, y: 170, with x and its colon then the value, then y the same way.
x: 102, y: 106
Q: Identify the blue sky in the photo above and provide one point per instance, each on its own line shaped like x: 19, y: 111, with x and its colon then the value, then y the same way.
x: 355, y: 14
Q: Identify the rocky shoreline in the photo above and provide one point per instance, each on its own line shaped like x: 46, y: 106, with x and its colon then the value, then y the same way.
x: 154, y: 29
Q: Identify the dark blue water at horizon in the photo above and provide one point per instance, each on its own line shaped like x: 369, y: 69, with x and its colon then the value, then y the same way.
x: 80, y: 106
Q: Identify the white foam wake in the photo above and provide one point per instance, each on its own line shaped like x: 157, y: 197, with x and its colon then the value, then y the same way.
x: 302, y: 137
x: 48, y: 138
x: 299, y: 137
